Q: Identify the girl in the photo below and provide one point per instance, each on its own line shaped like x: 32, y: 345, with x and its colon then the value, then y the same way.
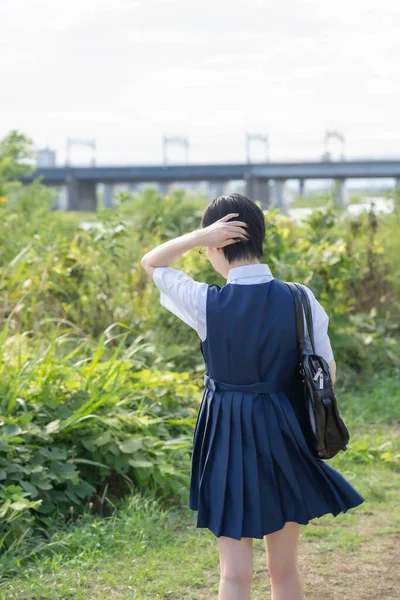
x: 252, y: 472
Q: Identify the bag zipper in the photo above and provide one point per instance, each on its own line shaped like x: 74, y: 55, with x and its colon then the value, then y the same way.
x: 317, y: 374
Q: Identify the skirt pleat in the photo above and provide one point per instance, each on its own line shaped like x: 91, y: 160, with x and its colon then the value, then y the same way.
x: 252, y: 494
x: 232, y: 501
x: 252, y: 470
x: 212, y: 492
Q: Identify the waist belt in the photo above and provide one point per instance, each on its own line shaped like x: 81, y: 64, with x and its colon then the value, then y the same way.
x: 259, y: 387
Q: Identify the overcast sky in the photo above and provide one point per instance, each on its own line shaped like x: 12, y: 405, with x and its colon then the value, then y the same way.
x: 126, y: 72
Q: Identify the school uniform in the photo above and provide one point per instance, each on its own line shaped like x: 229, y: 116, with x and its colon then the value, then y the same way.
x: 251, y: 468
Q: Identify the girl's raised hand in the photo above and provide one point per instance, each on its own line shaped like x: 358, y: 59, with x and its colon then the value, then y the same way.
x: 223, y: 232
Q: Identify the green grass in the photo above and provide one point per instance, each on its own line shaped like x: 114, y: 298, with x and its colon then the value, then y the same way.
x: 149, y: 553
x: 147, y: 550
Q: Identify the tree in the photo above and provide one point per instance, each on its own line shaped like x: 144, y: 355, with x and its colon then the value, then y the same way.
x: 17, y: 153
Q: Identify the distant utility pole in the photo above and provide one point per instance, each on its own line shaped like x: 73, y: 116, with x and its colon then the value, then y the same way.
x: 80, y: 142
x: 173, y: 139
x: 332, y: 134
x: 256, y: 137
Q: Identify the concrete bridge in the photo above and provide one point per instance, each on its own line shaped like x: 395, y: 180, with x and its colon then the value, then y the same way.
x: 264, y: 181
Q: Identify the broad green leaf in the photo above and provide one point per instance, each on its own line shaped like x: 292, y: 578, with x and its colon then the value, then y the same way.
x: 131, y: 445
x: 140, y: 463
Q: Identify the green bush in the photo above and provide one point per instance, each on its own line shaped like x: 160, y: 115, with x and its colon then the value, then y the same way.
x: 73, y: 427
x: 100, y: 385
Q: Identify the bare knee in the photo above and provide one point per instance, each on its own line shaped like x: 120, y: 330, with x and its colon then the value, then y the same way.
x: 281, y: 547
x: 236, y: 574
x: 281, y: 570
x: 236, y: 560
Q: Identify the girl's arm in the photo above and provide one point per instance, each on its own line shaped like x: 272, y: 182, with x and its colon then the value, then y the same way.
x: 219, y: 234
x: 164, y: 254
x: 332, y: 366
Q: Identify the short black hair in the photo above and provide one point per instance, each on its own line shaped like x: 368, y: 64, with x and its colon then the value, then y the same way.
x: 250, y: 213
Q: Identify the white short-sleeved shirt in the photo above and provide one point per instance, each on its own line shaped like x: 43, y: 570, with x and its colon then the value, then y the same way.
x: 187, y: 299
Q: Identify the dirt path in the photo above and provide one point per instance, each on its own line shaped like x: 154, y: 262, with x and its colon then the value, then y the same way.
x: 370, y: 570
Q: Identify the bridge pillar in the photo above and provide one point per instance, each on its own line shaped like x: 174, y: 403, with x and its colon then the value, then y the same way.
x: 250, y: 186
x: 341, y: 191
x: 108, y: 200
x: 219, y: 188
x: 258, y: 189
x: 280, y: 197
x: 81, y: 195
x: 301, y: 187
x: 262, y: 193
x: 72, y: 193
x: 163, y: 187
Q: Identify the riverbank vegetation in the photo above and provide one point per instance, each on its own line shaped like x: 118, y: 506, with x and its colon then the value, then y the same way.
x: 100, y: 386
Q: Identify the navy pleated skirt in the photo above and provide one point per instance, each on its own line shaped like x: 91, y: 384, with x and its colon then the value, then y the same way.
x: 252, y: 470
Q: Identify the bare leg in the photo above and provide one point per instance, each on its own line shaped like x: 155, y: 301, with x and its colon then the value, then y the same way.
x: 281, y: 554
x: 236, y: 568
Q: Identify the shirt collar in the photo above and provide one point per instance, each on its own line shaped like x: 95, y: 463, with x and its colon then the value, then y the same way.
x: 248, y: 271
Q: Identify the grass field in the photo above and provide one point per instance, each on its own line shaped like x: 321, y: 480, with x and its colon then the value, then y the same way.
x: 150, y: 551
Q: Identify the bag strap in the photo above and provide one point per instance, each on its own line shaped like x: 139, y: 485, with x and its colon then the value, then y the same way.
x: 302, y: 304
x: 299, y: 317
x: 307, y: 311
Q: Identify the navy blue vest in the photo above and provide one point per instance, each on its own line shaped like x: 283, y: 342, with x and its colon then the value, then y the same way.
x: 251, y: 334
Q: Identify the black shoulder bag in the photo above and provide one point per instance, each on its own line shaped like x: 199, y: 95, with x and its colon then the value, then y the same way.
x: 326, y: 432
